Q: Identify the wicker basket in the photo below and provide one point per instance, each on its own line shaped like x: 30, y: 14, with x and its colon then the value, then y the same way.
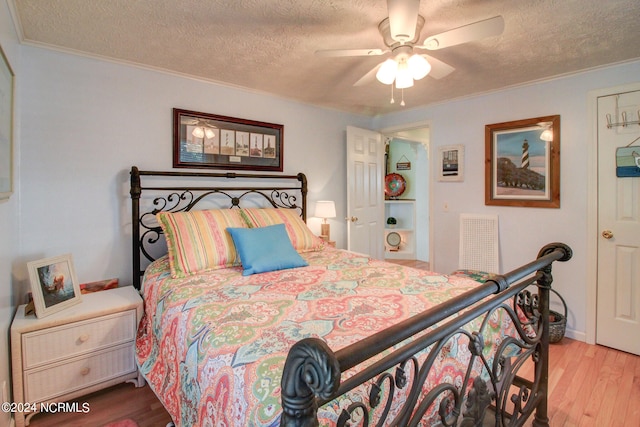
x: 557, y: 321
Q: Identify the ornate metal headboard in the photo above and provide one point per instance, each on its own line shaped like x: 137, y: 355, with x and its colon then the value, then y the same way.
x: 184, y: 191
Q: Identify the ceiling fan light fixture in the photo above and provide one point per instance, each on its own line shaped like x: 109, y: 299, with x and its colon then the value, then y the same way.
x: 546, y: 135
x: 387, y: 72
x: 404, y: 78
x: 198, y: 132
x: 210, y: 133
x: 419, y: 66
x: 547, y: 132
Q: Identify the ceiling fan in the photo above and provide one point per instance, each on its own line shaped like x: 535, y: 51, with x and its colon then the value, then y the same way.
x: 202, y: 127
x: 401, y: 32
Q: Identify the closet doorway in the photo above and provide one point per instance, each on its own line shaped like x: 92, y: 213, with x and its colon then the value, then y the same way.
x: 407, y: 154
x: 366, y: 206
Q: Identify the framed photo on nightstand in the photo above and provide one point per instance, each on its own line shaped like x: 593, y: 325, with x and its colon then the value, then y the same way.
x: 53, y: 284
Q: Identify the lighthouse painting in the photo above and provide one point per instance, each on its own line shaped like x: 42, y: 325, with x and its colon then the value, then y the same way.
x: 522, y: 164
x: 524, y: 168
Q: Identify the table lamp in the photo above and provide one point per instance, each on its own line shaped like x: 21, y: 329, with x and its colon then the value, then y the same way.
x: 325, y: 209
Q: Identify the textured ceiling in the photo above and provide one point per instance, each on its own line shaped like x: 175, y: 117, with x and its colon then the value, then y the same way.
x: 269, y: 45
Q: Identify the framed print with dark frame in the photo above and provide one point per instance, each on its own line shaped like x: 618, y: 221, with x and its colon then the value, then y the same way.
x: 522, y: 163
x: 202, y: 140
x: 6, y: 126
x: 54, y: 285
x: 451, y: 163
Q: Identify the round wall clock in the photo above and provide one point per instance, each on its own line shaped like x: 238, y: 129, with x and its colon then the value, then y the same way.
x: 394, y: 240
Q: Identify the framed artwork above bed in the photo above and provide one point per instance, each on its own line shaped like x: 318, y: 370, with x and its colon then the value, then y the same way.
x: 202, y: 140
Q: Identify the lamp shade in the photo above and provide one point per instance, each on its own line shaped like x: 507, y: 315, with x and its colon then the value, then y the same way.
x: 198, y: 132
x: 325, y: 209
x: 387, y: 72
x: 210, y: 133
x: 546, y: 135
x: 419, y: 66
x: 403, y: 76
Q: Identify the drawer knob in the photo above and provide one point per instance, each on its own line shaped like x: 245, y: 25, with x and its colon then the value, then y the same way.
x: 85, y: 371
x: 83, y: 338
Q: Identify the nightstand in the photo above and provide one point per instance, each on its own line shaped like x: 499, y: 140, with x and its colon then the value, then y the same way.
x: 76, y: 351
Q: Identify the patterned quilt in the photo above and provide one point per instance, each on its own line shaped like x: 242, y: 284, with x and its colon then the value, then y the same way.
x: 212, y: 346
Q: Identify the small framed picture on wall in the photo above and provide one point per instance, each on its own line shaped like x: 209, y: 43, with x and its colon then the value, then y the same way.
x: 451, y: 163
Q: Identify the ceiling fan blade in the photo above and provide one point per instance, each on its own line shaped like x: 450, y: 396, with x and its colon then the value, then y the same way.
x: 403, y: 18
x: 439, y: 69
x: 349, y: 52
x: 467, y: 33
x: 370, y: 77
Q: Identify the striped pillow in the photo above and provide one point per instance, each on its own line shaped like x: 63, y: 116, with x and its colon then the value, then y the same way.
x: 198, y: 241
x: 302, y: 238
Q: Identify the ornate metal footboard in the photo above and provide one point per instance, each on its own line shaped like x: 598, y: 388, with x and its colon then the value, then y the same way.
x: 312, y: 373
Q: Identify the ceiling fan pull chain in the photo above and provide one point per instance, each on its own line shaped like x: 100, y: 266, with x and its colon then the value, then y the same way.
x: 402, y: 102
x: 393, y: 101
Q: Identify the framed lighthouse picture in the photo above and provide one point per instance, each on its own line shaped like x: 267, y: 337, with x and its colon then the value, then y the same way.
x: 522, y: 163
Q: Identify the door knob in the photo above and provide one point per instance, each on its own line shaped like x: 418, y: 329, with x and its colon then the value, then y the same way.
x: 352, y: 219
x: 607, y: 234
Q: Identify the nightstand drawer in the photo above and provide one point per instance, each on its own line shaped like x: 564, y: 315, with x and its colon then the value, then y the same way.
x: 66, y: 341
x: 65, y: 377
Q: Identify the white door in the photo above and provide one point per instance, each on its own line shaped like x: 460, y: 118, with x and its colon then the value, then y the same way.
x: 618, y: 294
x: 365, y: 201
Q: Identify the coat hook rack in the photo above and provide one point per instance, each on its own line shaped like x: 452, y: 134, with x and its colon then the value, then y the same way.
x: 624, y: 122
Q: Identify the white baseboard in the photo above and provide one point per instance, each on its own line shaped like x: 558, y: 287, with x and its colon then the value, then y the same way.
x: 575, y: 335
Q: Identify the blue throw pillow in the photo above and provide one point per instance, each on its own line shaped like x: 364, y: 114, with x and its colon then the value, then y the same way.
x: 265, y: 249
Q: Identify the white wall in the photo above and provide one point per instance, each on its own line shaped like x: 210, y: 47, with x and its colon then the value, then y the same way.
x: 86, y: 122
x: 9, y: 218
x: 523, y: 231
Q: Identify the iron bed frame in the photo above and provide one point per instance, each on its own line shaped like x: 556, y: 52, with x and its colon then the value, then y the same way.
x: 312, y: 373
x: 183, y: 197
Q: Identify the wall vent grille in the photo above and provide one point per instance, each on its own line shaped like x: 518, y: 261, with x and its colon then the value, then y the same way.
x: 479, y: 243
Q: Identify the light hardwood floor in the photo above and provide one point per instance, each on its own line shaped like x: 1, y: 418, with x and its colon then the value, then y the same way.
x: 112, y: 404
x: 589, y: 385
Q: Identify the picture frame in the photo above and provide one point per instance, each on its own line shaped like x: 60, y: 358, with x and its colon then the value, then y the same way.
x: 54, y: 284
x: 202, y: 140
x: 451, y: 163
x: 522, y: 163
x: 7, y: 89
